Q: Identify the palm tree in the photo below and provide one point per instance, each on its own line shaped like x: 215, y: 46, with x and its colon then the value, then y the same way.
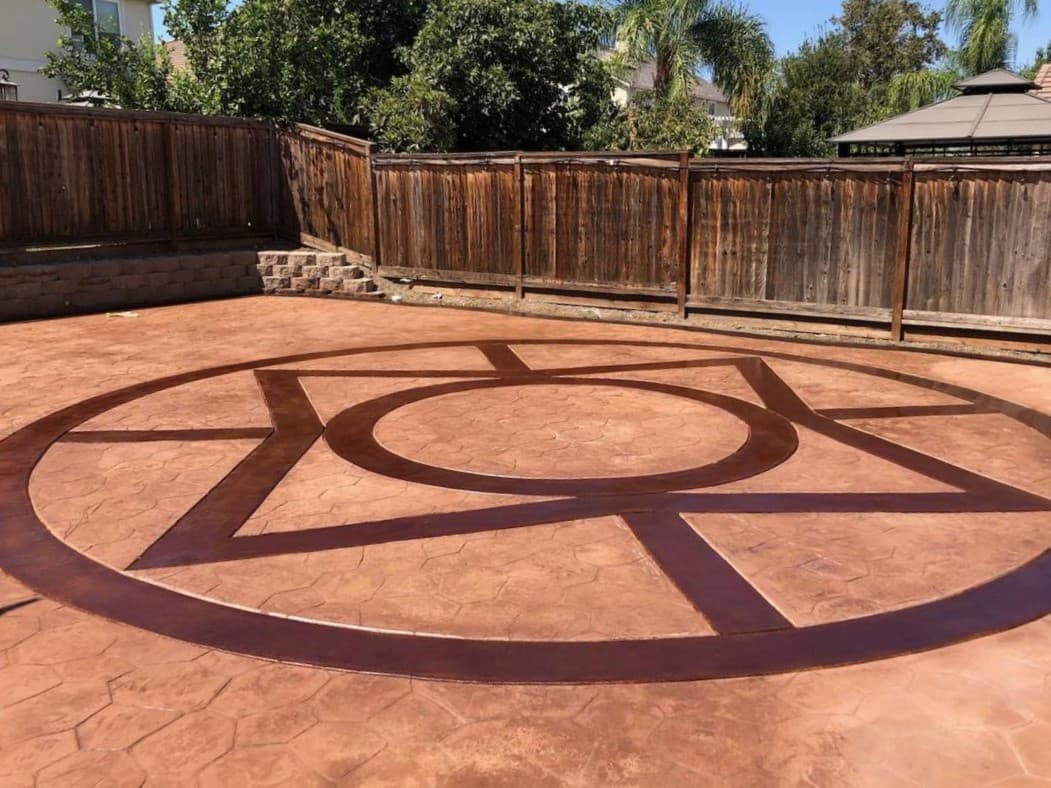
x: 985, y: 29
x: 681, y: 36
x: 986, y: 41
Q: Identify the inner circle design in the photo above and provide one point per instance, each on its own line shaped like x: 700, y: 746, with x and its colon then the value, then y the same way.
x: 771, y: 440
x: 38, y: 558
x: 561, y: 431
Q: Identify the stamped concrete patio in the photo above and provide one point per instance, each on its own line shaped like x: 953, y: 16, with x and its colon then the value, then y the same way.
x: 296, y: 542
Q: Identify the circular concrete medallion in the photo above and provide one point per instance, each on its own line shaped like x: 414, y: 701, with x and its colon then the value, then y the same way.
x: 753, y: 636
x: 770, y: 440
x: 561, y: 430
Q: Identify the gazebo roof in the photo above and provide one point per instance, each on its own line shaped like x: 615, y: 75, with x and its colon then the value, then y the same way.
x: 999, y: 80
x: 995, y: 106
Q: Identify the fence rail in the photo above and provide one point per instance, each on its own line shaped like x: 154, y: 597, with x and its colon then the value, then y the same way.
x: 902, y: 243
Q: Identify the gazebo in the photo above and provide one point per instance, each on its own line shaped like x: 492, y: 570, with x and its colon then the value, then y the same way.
x: 994, y: 115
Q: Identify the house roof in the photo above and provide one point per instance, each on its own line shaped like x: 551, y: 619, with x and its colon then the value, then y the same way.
x: 988, y: 116
x: 177, y: 54
x: 643, y: 77
x: 1043, y: 81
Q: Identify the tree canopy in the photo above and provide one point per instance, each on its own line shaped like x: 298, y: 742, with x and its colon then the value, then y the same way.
x: 655, y: 123
x: 424, y: 75
x: 846, y: 78
x: 986, y: 40
x: 1041, y: 58
x: 986, y: 31
x: 302, y: 60
x: 497, y: 74
x: 437, y: 75
x: 682, y: 36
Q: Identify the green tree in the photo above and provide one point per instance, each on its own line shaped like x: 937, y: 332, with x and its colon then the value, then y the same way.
x: 682, y: 36
x: 301, y: 60
x: 413, y: 117
x: 817, y: 94
x: 198, y: 24
x: 985, y: 29
x: 1041, y: 58
x: 919, y: 88
x: 127, y: 73
x: 655, y: 124
x: 887, y: 39
x: 847, y: 78
x: 986, y: 41
x: 497, y: 74
x: 387, y: 27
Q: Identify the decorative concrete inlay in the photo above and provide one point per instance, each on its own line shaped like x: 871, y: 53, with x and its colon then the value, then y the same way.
x: 445, y: 434
x: 87, y: 700
x: 561, y: 431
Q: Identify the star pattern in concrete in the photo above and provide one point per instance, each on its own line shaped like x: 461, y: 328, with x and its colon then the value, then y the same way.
x: 86, y: 700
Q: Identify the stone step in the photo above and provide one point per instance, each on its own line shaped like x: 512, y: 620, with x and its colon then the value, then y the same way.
x: 299, y: 263
x: 312, y: 272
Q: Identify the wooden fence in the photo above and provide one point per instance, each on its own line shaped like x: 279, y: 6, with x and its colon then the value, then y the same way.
x: 604, y: 224
x: 940, y: 243
x: 981, y: 246
x: 817, y: 238
x: 959, y: 244
x: 453, y: 219
x: 70, y: 175
x: 326, y: 190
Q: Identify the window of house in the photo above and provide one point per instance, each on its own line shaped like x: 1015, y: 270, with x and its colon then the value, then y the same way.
x: 711, y: 109
x: 107, y: 17
x: 106, y: 14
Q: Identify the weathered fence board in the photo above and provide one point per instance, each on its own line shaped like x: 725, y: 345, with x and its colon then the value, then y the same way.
x: 981, y: 242
x: 821, y: 237
x: 225, y: 176
x: 326, y: 189
x: 75, y: 175
x: 611, y: 223
x: 448, y: 215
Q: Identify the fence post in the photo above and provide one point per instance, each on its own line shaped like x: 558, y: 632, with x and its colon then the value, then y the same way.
x: 684, y: 229
x: 171, y: 180
x: 371, y: 157
x: 275, y: 183
x: 901, y: 274
x: 520, y: 229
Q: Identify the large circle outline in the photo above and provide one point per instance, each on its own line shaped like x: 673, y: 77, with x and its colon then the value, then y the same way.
x: 38, y: 558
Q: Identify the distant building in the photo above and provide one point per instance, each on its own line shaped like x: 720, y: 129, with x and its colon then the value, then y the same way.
x: 177, y: 55
x: 29, y: 32
x: 632, y: 82
x: 1043, y: 82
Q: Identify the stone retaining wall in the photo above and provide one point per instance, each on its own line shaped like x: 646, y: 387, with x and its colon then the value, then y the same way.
x: 51, y: 289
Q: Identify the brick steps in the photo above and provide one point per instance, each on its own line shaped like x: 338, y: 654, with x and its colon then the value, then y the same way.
x: 307, y: 272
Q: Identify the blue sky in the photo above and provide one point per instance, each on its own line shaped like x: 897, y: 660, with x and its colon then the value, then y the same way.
x: 792, y: 21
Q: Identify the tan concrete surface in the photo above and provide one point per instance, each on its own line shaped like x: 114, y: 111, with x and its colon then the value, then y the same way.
x: 89, y: 701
